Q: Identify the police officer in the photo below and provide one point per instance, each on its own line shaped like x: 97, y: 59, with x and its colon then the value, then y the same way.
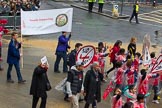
x: 135, y: 13
x: 90, y: 5
x: 100, y: 5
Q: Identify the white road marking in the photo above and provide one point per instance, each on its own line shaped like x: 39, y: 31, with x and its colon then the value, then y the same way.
x: 151, y: 12
x: 142, y: 23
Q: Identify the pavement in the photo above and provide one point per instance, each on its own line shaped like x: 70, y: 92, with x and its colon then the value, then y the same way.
x: 86, y: 27
x: 17, y: 95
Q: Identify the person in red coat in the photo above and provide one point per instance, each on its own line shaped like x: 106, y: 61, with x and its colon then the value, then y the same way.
x: 113, y: 54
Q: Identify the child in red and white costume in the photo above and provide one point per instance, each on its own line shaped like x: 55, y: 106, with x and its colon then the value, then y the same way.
x: 121, y: 56
x: 101, y: 56
x: 140, y: 101
x: 143, y: 86
x: 119, y: 75
x: 136, y: 63
x: 117, y: 99
x: 154, y: 82
x: 131, y: 94
x: 144, y: 81
x: 130, y: 73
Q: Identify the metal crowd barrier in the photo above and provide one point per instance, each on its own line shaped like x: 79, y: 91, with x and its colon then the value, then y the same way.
x: 14, y: 22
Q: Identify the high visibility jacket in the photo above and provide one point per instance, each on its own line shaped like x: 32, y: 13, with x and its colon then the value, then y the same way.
x: 101, y: 1
x: 137, y: 8
x: 91, y: 0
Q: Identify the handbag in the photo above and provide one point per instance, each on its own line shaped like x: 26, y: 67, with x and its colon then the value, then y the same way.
x: 48, y: 85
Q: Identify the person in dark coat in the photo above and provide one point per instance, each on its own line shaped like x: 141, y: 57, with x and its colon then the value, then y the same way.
x: 92, y: 86
x: 38, y: 85
x: 61, y: 52
x: 13, y: 58
x: 72, y: 55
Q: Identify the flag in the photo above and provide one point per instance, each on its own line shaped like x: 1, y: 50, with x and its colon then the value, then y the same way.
x: 157, y: 67
x: 146, y: 43
x: 108, y: 90
x: 147, y: 57
x: 46, y: 21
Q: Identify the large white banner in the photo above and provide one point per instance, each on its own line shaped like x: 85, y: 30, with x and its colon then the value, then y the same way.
x: 46, y: 21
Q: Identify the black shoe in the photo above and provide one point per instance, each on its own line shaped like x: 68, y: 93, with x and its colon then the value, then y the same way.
x: 130, y: 21
x: 57, y: 71
x: 81, y: 100
x: 21, y: 81
x: 65, y: 71
x: 66, y: 99
x: 137, y: 23
x: 1, y: 69
x: 10, y: 81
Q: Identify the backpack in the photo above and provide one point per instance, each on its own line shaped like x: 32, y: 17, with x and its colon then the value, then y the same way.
x: 68, y: 56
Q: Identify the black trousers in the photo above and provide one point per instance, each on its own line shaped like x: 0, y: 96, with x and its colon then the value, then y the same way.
x: 114, y: 66
x: 155, y: 88
x: 134, y: 14
x: 100, y: 7
x: 90, y: 6
x: 35, y: 101
x: 60, y: 55
x: 93, y: 105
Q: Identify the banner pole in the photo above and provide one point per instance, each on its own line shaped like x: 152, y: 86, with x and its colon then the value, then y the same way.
x: 21, y: 52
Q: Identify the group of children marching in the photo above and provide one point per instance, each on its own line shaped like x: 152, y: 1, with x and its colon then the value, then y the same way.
x: 131, y: 84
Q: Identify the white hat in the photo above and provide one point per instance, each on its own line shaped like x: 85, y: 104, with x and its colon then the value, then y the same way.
x: 79, y: 63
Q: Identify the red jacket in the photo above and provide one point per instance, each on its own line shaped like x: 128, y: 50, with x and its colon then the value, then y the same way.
x: 130, y: 76
x: 143, y: 86
x: 115, y: 50
x: 119, y: 76
x: 160, y: 77
x: 138, y: 105
x: 156, y: 81
x: 118, y: 103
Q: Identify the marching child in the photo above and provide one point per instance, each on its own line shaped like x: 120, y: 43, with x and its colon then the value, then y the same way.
x: 144, y: 80
x: 143, y: 86
x: 131, y: 94
x: 117, y: 99
x: 130, y: 73
x: 155, y: 82
x: 140, y: 101
x: 136, y: 63
x: 119, y: 75
x: 121, y: 56
x: 101, y: 57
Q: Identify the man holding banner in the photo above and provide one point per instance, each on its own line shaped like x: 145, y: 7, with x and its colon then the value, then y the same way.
x: 61, y: 52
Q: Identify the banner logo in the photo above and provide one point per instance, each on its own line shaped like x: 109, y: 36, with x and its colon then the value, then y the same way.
x: 61, y: 20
